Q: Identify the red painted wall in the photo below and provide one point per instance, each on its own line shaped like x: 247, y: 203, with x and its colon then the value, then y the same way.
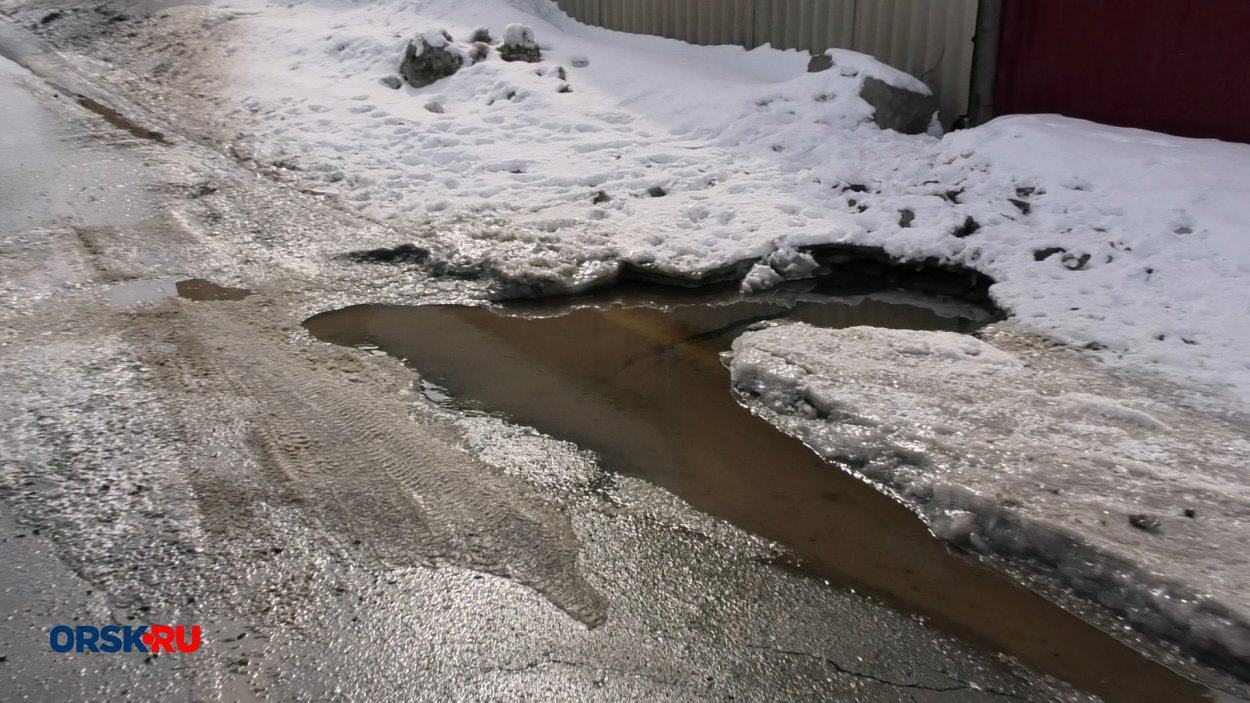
x: 1176, y: 66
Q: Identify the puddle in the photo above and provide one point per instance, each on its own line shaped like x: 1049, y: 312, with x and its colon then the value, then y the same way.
x: 152, y: 290
x: 200, y: 289
x: 644, y: 388
x: 118, y: 120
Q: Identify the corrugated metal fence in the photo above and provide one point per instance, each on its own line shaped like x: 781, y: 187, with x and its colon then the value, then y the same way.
x: 931, y: 39
x: 1136, y: 63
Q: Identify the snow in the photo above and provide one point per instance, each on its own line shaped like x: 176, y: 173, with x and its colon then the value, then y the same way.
x: 703, y: 124
x: 760, y: 277
x: 518, y: 35
x: 1162, y: 219
x: 852, y: 63
x: 753, y: 155
x: 433, y: 38
x: 1007, y: 449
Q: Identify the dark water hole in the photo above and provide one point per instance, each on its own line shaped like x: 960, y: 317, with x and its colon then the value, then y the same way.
x: 639, y: 381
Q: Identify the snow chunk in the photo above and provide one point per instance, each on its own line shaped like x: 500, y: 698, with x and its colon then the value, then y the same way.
x: 519, y: 35
x: 792, y: 264
x: 853, y: 64
x: 518, y: 44
x: 784, y: 264
x: 760, y: 277
x: 437, y: 38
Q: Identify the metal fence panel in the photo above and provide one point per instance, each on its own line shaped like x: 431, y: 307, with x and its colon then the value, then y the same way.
x: 809, y: 25
x: 1181, y: 68
x: 583, y: 10
x: 930, y: 39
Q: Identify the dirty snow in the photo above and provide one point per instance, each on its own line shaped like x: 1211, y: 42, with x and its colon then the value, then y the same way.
x: 1011, y: 450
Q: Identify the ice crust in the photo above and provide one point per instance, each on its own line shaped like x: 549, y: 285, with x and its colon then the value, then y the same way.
x: 1010, y: 448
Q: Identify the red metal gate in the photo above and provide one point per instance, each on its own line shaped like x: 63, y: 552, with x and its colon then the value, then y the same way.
x: 1164, y: 65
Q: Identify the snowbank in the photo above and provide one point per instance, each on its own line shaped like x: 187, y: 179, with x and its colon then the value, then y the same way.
x: 688, y: 160
x: 695, y: 149
x: 1016, y: 450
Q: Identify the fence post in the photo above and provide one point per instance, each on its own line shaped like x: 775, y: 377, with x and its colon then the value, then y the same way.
x: 984, y: 61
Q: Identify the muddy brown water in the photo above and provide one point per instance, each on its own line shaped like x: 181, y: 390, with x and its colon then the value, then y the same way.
x: 203, y: 290
x: 118, y: 120
x: 645, y: 389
